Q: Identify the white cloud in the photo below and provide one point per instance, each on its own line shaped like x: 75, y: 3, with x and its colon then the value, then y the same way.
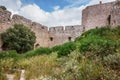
x: 58, y: 17
x: 33, y: 12
x: 56, y: 8
x: 12, y: 5
x: 70, y: 15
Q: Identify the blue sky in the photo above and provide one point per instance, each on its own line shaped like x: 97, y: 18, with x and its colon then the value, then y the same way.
x: 48, y: 5
x: 50, y: 12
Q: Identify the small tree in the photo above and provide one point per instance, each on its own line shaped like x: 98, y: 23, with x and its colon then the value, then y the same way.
x: 19, y: 38
x: 3, y: 7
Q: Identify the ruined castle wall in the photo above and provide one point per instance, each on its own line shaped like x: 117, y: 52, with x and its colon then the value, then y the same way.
x: 115, y: 15
x: 5, y: 16
x: 44, y: 38
x: 96, y: 15
x: 56, y: 36
x: 60, y: 35
x: 41, y: 31
x: 75, y: 30
x: 5, y: 22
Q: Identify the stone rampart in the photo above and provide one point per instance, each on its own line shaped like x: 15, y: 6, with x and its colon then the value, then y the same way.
x: 44, y: 37
x: 60, y: 35
x: 115, y: 15
x: 96, y: 15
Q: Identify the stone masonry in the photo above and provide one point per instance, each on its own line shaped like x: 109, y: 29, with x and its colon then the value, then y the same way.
x: 44, y: 37
x: 99, y: 15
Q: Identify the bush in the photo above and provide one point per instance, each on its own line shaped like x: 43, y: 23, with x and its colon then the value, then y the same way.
x: 19, y: 38
x: 56, y: 48
x: 99, y: 47
x: 3, y: 7
x: 38, y: 51
x: 66, y: 48
x: 8, y: 54
x: 99, y: 42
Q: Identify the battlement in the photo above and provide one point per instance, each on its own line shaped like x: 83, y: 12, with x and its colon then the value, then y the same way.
x: 65, y: 28
x: 56, y: 29
x: 72, y: 28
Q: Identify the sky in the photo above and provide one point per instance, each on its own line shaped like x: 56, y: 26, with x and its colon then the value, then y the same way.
x: 50, y: 12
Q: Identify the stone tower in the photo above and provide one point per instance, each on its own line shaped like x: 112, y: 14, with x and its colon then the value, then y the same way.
x: 115, y: 14
x: 100, y: 15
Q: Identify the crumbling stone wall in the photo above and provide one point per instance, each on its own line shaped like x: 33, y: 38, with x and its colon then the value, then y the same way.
x: 5, y: 22
x: 41, y: 31
x: 60, y: 35
x: 115, y: 15
x: 97, y: 15
x: 44, y: 37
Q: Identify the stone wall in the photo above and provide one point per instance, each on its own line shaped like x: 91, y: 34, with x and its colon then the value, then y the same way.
x: 60, y: 35
x: 44, y: 37
x: 96, y: 15
x: 41, y: 31
x: 115, y: 15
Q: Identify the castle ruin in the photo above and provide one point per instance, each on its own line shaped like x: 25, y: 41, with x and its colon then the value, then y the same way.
x: 100, y: 15
x: 103, y: 14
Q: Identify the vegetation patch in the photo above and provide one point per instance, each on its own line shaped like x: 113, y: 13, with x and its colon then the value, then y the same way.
x: 93, y: 56
x: 19, y: 38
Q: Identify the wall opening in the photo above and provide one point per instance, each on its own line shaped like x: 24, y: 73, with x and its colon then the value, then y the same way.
x: 109, y: 19
x: 51, y: 38
x: 37, y: 45
x: 69, y: 38
x: 42, y: 27
x: 83, y: 29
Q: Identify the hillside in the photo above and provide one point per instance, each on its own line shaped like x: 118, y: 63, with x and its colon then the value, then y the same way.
x: 95, y: 55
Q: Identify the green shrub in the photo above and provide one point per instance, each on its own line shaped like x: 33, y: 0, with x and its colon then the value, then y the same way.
x: 38, y: 51
x: 66, y: 49
x: 98, y: 47
x: 3, y: 7
x: 43, y: 50
x: 56, y: 48
x: 99, y: 42
x: 8, y: 54
x: 98, y: 32
x: 19, y: 38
